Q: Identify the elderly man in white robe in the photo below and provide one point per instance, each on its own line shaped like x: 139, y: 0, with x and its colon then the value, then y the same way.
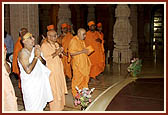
x: 34, y: 75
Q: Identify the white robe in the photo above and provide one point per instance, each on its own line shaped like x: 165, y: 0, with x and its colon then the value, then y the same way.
x: 36, y: 87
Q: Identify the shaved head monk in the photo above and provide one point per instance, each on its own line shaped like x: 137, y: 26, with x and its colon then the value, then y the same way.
x: 80, y: 61
x: 93, y: 39
x: 51, y: 51
x: 49, y: 27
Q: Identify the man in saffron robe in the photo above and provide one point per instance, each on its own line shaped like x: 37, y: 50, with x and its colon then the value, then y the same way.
x: 70, y: 29
x: 49, y: 27
x: 10, y: 100
x: 93, y: 39
x: 99, y: 28
x: 17, y: 48
x: 51, y: 51
x: 67, y: 36
x: 80, y: 61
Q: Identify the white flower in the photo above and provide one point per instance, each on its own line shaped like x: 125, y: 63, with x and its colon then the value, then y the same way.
x: 77, y: 88
x: 85, y: 95
x: 89, y: 96
x: 92, y: 89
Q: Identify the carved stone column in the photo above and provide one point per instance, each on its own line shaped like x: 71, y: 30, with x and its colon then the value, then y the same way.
x: 133, y: 21
x: 24, y: 15
x: 64, y: 16
x: 122, y: 34
x: 91, y: 12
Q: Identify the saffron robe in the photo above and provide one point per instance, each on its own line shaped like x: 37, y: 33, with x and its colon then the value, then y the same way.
x: 65, y: 44
x: 96, y: 58
x: 57, y: 77
x: 10, y: 100
x: 80, y: 65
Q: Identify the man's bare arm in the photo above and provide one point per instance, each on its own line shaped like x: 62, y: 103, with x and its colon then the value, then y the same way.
x: 24, y: 60
x: 57, y: 52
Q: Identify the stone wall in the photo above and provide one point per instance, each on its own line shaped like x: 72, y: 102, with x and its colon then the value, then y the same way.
x: 24, y: 15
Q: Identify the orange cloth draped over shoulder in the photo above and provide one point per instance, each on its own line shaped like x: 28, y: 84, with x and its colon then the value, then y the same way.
x: 65, y: 44
x: 80, y: 64
x: 57, y: 77
x: 96, y: 58
x: 16, y: 50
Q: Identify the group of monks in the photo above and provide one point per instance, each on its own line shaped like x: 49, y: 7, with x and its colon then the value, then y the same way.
x: 82, y: 57
x: 93, y: 38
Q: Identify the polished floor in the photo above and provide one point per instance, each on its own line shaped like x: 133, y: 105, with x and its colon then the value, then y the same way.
x: 146, y: 94
x: 114, y: 74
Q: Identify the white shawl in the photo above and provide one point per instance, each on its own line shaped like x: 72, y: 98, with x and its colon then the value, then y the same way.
x: 36, y: 87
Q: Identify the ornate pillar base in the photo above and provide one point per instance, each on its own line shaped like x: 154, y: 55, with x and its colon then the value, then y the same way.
x: 122, y: 55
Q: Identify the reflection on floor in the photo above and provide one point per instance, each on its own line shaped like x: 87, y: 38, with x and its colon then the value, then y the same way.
x: 153, y: 67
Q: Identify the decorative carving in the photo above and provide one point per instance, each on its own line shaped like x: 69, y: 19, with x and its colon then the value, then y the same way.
x: 122, y: 34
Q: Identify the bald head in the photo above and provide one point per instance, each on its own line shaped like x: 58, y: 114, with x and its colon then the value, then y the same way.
x: 52, y: 35
x: 81, y: 33
x: 51, y: 32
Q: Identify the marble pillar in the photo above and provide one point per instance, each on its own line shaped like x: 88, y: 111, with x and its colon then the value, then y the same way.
x: 24, y: 15
x: 91, y: 12
x: 122, y: 34
x: 64, y: 16
x: 134, y: 21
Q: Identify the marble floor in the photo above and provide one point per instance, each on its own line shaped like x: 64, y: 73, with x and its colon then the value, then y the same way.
x: 146, y: 94
x: 114, y: 74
